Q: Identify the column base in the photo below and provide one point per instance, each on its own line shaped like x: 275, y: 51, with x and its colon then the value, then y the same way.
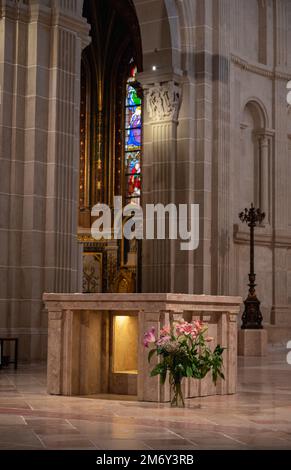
x: 252, y: 342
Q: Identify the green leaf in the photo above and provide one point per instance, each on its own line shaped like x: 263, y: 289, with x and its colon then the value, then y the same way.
x: 159, y: 369
x: 189, y: 372
x: 218, y: 350
x: 151, y: 353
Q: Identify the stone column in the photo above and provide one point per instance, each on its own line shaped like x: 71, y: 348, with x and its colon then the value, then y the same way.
x: 264, y: 173
x: 281, y: 310
x: 159, y: 167
x: 39, y: 131
x: 13, y: 76
x: 63, y: 147
x: 264, y: 177
x: 203, y: 139
x: 221, y: 232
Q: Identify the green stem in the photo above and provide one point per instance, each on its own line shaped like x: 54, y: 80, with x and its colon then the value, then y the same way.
x: 177, y: 393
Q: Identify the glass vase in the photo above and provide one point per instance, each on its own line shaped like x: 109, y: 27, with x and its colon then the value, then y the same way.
x: 177, y: 399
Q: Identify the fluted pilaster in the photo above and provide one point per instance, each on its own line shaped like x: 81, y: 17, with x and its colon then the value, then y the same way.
x: 39, y: 128
x: 160, y: 152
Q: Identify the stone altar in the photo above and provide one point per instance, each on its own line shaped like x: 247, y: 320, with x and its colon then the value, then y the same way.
x: 95, y: 342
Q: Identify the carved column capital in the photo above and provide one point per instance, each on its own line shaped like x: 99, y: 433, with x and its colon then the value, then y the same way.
x: 263, y: 135
x: 163, y: 101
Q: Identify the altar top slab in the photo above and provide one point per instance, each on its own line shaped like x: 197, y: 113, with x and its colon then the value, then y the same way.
x: 142, y: 302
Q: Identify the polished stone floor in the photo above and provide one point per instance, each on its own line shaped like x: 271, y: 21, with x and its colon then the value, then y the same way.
x: 257, y: 417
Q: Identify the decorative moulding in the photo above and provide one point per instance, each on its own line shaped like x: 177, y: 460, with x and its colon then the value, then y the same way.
x: 259, y: 69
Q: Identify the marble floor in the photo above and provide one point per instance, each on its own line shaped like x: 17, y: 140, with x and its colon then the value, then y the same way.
x: 257, y: 417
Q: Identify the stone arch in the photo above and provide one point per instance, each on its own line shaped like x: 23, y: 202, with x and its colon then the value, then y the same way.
x: 126, y: 11
x: 186, y: 10
x: 160, y: 45
x: 258, y: 111
x: 175, y: 31
x: 160, y: 34
x: 256, y: 155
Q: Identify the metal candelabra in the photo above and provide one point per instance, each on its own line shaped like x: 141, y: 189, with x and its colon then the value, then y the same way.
x: 252, y: 317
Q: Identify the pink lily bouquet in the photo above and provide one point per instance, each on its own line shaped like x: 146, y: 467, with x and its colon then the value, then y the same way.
x: 183, y: 351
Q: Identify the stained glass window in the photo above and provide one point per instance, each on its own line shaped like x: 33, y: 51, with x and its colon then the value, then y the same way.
x: 133, y: 133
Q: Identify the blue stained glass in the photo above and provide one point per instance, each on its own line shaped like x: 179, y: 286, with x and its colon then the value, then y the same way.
x: 133, y: 139
x: 132, y: 98
x: 133, y: 123
x: 133, y: 116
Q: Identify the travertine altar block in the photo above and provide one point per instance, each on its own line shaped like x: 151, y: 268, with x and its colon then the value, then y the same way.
x: 252, y: 342
x: 80, y: 352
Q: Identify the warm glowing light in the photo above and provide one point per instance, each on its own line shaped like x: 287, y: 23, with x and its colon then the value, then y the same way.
x: 154, y: 68
x: 125, y: 341
x: 120, y: 320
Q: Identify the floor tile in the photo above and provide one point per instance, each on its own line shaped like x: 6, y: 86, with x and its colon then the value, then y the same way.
x: 257, y: 417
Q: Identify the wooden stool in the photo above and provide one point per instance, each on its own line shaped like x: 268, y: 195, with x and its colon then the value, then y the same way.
x: 2, y: 341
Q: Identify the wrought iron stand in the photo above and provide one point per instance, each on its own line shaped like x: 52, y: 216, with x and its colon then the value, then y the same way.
x: 252, y: 317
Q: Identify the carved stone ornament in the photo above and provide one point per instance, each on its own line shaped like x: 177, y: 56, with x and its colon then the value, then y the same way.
x: 163, y: 102
x: 124, y: 281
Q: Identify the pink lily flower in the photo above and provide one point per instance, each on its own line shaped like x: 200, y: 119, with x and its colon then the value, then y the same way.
x: 149, y: 337
x: 163, y: 340
x: 165, y: 331
x: 185, y: 329
x: 198, y: 325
